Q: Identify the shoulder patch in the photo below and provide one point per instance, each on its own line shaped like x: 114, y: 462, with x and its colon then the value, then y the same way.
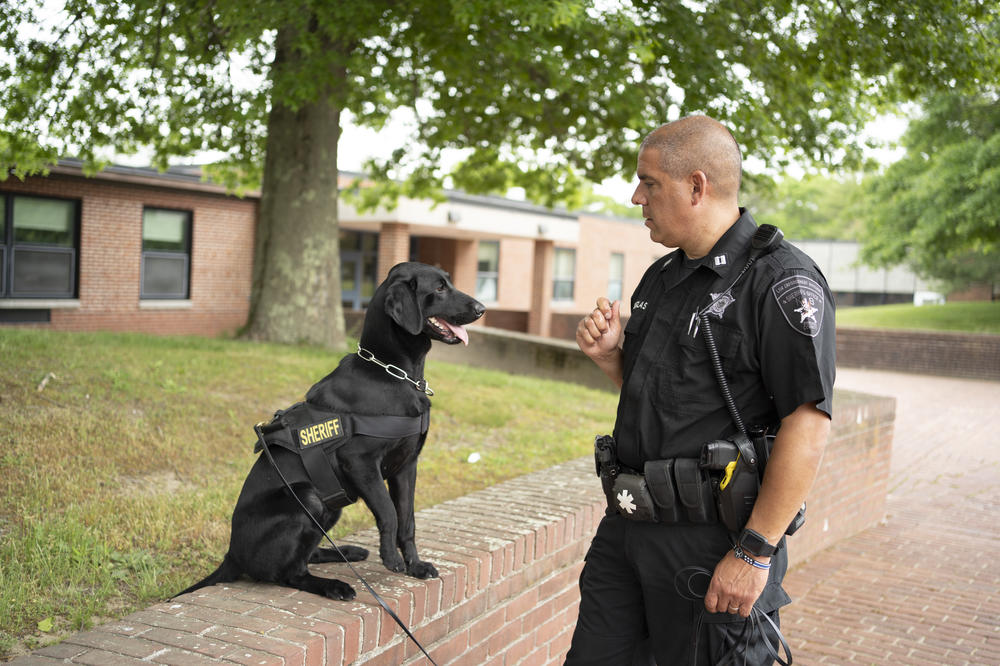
x: 801, y: 301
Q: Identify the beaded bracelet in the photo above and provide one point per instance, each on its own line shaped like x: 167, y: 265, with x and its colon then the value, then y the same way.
x: 738, y: 552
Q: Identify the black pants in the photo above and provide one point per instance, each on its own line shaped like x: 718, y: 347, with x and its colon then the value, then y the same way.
x: 632, y: 613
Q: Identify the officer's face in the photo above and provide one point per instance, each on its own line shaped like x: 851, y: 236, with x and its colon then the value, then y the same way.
x: 665, y: 202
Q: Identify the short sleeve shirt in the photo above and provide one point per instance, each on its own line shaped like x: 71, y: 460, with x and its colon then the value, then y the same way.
x: 774, y: 332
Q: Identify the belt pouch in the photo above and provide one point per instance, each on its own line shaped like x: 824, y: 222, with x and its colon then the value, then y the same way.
x: 660, y: 482
x: 631, y: 498
x: 694, y: 490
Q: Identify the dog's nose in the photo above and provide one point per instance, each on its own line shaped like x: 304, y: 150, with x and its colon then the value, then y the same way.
x: 479, y: 309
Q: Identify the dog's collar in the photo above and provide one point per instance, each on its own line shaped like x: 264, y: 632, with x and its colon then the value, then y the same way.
x: 395, y: 371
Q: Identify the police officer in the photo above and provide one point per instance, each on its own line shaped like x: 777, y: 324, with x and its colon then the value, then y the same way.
x: 642, y: 584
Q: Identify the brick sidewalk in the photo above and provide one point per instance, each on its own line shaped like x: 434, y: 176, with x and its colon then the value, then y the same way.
x: 924, y: 586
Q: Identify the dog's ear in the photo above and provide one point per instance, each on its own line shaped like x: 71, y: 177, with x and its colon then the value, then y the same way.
x: 401, y: 304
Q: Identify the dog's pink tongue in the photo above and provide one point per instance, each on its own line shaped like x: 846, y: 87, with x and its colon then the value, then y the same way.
x: 458, y: 331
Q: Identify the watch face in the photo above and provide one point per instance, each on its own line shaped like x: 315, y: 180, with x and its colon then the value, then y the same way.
x: 755, y: 543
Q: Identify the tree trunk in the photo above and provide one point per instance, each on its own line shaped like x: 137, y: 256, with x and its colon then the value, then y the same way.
x: 296, y: 286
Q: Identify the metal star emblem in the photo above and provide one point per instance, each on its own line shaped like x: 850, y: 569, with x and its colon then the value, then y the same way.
x: 719, y: 303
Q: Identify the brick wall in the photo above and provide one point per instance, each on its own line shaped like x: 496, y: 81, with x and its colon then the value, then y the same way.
x: 110, y: 257
x: 969, y: 355
x: 509, y: 559
x: 393, y: 247
x: 509, y: 320
x: 850, y: 491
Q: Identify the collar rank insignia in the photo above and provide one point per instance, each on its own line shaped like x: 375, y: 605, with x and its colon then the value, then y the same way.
x: 719, y: 303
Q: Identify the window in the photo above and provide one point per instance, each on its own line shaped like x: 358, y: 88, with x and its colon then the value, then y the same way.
x: 616, y: 276
x: 166, y: 253
x: 564, y: 272
x: 38, y: 247
x: 358, y: 268
x: 488, y: 271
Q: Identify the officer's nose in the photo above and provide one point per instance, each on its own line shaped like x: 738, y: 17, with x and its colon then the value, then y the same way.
x: 637, y: 199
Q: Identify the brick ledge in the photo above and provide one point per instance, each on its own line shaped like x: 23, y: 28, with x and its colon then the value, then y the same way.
x: 509, y: 558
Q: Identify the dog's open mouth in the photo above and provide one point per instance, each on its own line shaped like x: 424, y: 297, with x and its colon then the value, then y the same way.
x: 449, y: 332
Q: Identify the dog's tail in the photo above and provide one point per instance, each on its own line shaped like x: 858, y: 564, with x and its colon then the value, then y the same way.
x: 226, y: 573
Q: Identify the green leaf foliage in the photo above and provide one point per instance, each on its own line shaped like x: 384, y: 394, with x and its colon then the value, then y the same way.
x: 816, y: 206
x: 935, y: 209
x: 539, y: 94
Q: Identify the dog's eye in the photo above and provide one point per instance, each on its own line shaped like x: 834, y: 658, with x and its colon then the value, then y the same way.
x: 441, y: 289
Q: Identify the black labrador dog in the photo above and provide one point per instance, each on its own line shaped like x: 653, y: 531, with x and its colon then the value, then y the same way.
x: 272, y: 538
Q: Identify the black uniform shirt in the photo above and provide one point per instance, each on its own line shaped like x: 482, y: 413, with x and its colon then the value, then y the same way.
x: 775, y: 340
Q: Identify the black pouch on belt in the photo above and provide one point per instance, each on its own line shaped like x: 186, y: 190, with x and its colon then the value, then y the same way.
x: 694, y: 488
x: 631, y: 498
x: 660, y: 482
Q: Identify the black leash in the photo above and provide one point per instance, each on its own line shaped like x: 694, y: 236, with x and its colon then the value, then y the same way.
x: 758, y: 623
x: 379, y: 599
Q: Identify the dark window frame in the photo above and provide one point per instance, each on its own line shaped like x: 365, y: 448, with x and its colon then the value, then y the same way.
x: 9, y: 249
x: 184, y: 294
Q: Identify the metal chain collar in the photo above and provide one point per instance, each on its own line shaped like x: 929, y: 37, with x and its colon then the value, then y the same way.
x: 395, y: 371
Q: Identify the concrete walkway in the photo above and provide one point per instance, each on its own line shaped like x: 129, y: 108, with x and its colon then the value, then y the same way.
x: 924, y: 586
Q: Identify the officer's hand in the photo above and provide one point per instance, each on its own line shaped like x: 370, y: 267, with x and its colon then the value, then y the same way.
x: 735, y: 586
x: 599, y: 332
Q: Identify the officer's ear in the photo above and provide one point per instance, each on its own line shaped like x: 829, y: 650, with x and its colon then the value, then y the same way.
x: 699, y: 186
x: 401, y: 304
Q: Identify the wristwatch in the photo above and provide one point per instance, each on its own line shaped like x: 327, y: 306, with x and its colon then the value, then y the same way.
x: 755, y: 543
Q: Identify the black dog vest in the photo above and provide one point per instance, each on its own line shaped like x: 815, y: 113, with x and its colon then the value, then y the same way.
x: 315, y: 434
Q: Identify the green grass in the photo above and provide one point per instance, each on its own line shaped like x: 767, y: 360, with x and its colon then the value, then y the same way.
x: 969, y: 317
x: 118, y: 479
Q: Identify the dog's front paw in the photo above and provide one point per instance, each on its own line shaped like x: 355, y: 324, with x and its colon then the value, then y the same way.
x: 422, y: 570
x: 394, y: 563
x: 339, y: 590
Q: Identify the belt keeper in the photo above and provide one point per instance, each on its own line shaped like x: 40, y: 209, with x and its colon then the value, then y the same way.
x: 738, y: 552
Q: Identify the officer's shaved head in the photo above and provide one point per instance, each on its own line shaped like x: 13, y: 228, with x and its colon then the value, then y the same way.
x: 699, y: 143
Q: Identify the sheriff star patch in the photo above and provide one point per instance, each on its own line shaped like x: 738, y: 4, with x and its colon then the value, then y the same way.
x: 801, y: 301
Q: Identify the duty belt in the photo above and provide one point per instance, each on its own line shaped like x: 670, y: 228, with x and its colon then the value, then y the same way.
x: 315, y: 434
x: 720, y: 486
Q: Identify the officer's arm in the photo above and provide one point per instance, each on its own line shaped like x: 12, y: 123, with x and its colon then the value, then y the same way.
x: 599, y: 336
x: 791, y: 470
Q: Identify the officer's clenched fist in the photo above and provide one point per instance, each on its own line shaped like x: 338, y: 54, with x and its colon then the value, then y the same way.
x: 598, y: 335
